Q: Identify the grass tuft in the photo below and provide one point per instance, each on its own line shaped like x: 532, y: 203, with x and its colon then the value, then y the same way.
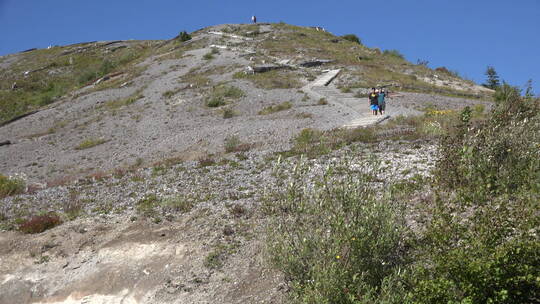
x: 276, y: 108
x: 10, y: 186
x: 90, y: 143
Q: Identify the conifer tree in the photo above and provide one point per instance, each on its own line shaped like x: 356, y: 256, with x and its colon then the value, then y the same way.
x: 492, y: 78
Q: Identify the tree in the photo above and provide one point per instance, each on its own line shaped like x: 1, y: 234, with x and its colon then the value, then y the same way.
x: 184, y: 36
x: 492, y: 78
x: 529, y: 93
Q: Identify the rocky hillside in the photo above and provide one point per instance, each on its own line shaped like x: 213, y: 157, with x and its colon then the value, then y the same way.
x: 104, y: 105
x: 159, y: 156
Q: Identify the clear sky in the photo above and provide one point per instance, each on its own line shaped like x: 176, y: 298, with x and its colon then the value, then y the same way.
x: 463, y: 35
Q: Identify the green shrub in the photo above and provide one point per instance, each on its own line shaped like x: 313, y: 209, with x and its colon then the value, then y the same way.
x: 500, y: 156
x: 506, y: 93
x: 208, y: 56
x: 168, y: 94
x: 10, y: 186
x: 40, y: 223
x: 221, y: 94
x: 393, y: 53
x: 352, y: 37
x: 148, y: 205
x: 89, y: 143
x: 335, y: 241
x: 322, y: 101
x: 215, y: 101
x: 228, y: 113
x: 276, y: 108
x: 480, y: 244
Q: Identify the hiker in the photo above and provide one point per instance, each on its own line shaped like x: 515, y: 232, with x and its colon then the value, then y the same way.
x: 381, y: 101
x: 254, y: 19
x: 374, y: 101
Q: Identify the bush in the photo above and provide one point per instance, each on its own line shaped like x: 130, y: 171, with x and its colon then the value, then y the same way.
x: 393, y: 53
x: 501, y: 156
x: 506, y: 93
x: 10, y: 186
x: 335, y: 241
x: 208, y: 56
x: 184, y: 36
x: 481, y: 241
x: 352, y: 37
x: 147, y: 206
x: 228, y: 113
x: 215, y: 101
x: 221, y: 94
x: 40, y: 223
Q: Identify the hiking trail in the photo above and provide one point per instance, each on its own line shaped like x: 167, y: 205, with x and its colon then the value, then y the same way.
x: 319, y: 88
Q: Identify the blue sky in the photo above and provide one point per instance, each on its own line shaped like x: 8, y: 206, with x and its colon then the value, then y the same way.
x: 463, y: 35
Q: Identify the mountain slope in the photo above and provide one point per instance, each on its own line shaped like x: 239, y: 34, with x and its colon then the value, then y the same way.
x: 107, y: 105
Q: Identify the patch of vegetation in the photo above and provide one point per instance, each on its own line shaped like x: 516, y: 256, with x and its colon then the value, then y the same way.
x: 339, y: 238
x: 40, y: 223
x: 393, y: 53
x: 274, y: 79
x: 304, y: 115
x: 178, y: 204
x: 334, y: 240
x: 322, y: 101
x: 352, y: 38
x: 222, y: 94
x: 73, y: 208
x: 234, y: 144
x: 90, y: 143
x: 228, y: 113
x: 432, y: 125
x: 44, y: 76
x: 206, y: 161
x: 216, y: 257
x: 147, y: 206
x: 276, y: 108
x: 210, y: 55
x: 184, y: 36
x: 121, y: 102
x: 481, y: 245
x: 10, y: 186
x: 168, y: 94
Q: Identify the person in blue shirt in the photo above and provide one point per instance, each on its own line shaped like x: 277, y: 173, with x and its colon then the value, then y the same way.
x: 382, y: 101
